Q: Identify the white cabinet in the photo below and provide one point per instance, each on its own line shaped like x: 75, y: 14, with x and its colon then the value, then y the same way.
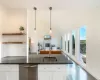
x: 3, y: 75
x: 13, y: 75
x: 59, y: 75
x: 44, y: 75
x: 52, y: 72
x: 9, y: 72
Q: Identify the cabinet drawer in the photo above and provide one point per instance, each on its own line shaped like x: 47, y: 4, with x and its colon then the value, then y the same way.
x: 52, y: 67
x: 7, y: 67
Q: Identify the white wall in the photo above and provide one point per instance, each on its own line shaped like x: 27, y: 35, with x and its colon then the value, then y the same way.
x: 93, y: 45
x: 3, y: 17
x: 90, y: 18
x: 2, y: 23
x: 13, y: 20
x: 92, y: 41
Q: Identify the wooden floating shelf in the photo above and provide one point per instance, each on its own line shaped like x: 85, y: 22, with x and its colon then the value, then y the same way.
x: 13, y: 42
x: 13, y: 34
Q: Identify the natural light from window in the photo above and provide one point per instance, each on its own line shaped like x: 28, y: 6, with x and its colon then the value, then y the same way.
x: 83, y: 44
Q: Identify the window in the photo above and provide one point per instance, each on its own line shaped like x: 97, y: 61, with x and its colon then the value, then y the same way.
x: 61, y: 42
x: 83, y: 44
x: 65, y: 42
x: 68, y: 41
x: 73, y: 42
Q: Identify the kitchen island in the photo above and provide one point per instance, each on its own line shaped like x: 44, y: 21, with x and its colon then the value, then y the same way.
x: 35, y: 68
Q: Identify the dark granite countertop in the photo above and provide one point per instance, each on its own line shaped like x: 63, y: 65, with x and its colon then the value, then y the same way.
x: 35, y: 59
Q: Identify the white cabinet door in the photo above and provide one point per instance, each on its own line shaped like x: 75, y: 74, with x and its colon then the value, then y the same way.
x: 9, y: 72
x: 59, y: 76
x: 13, y: 75
x: 52, y: 72
x: 3, y: 75
x: 42, y: 75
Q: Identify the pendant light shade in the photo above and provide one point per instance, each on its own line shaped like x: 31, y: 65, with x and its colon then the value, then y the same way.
x: 35, y: 18
x: 50, y: 31
x: 50, y: 8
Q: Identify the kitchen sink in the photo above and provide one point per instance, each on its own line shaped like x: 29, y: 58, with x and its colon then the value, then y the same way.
x: 49, y: 59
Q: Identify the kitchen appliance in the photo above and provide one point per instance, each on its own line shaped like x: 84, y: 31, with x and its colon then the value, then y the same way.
x: 28, y: 72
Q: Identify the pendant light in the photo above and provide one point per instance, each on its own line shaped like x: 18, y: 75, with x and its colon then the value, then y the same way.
x: 35, y: 18
x: 50, y: 8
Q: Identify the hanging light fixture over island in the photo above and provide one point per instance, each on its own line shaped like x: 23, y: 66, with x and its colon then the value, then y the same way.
x: 35, y: 18
x: 50, y: 8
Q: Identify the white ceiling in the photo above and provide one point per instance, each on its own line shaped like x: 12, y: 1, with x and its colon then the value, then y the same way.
x: 56, y: 4
x: 63, y: 21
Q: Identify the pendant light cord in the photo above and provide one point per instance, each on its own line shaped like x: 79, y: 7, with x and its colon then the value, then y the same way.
x: 50, y: 17
x: 35, y: 17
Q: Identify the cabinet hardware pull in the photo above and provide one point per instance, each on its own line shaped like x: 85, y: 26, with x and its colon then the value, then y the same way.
x: 34, y: 66
x: 26, y: 66
x: 30, y: 66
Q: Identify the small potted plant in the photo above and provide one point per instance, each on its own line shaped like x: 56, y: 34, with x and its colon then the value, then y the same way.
x: 21, y: 29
